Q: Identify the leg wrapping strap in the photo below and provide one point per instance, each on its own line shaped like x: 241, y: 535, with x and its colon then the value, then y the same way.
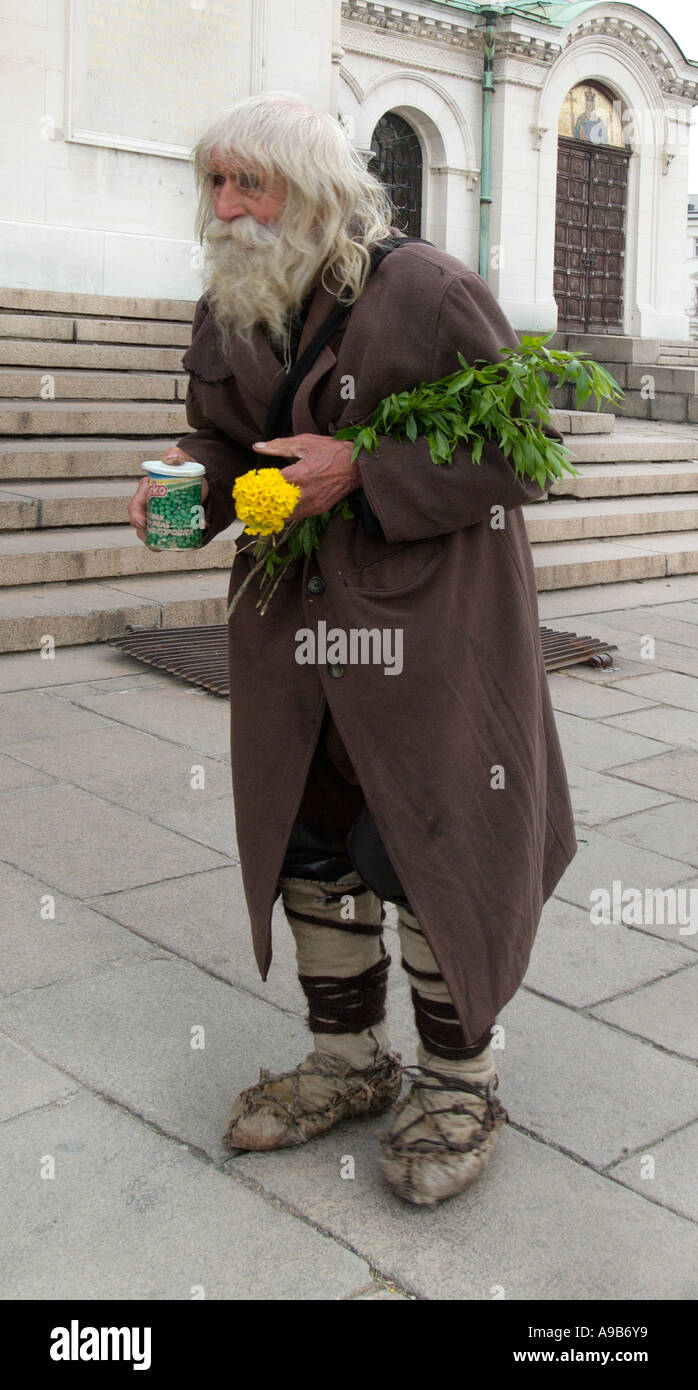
x: 348, y: 1004
x: 440, y: 1030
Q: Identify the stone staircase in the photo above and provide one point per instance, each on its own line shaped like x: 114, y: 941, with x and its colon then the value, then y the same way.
x: 631, y: 514
x: 659, y: 378
x: 90, y: 386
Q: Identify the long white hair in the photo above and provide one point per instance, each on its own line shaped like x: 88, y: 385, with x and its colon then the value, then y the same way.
x: 334, y: 210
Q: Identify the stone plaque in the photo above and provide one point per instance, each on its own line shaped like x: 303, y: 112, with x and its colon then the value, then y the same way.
x: 149, y: 75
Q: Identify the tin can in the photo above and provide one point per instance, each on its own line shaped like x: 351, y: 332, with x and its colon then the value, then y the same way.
x: 174, y: 510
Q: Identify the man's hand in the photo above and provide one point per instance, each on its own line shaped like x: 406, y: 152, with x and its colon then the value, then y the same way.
x: 137, y: 505
x: 324, y: 473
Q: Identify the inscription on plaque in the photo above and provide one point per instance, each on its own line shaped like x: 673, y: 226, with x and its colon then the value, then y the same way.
x: 150, y: 74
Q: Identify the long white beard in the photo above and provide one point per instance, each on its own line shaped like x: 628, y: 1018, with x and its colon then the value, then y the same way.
x: 253, y: 277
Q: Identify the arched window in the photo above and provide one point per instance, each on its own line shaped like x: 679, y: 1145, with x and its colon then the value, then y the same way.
x: 397, y: 160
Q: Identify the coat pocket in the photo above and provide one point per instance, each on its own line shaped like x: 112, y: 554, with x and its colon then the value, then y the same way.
x: 403, y: 568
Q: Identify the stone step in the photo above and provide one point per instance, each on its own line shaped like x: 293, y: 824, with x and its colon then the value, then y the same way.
x: 67, y: 302
x: 575, y: 564
x: 624, y: 516
x: 26, y: 504
x: 583, y: 421
x: 629, y: 479
x: 89, y: 611
x: 680, y: 380
x: 68, y: 329
x: 670, y: 359
x: 93, y: 417
x: 60, y: 385
x: 80, y: 458
x: 25, y: 352
x: 97, y: 552
x: 652, y: 446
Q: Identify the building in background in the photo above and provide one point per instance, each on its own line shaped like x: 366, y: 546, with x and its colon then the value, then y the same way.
x: 591, y: 107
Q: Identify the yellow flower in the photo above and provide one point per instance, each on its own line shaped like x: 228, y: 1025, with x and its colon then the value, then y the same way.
x: 264, y: 500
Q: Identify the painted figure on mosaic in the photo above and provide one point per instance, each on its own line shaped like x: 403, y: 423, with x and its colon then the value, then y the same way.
x: 437, y: 786
x: 589, y: 125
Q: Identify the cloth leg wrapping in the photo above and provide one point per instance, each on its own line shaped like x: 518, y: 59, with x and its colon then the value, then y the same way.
x: 435, y: 1016
x: 342, y: 963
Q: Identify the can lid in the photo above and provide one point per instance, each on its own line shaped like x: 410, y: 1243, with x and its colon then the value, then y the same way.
x: 155, y: 468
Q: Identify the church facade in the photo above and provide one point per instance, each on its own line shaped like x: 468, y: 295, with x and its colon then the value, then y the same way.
x: 573, y: 206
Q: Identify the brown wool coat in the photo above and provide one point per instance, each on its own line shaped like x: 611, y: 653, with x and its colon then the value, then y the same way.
x: 477, y: 861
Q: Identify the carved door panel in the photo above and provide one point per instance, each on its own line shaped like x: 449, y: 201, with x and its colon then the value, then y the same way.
x: 590, y: 237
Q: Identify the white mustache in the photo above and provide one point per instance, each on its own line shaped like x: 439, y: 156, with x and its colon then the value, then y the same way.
x: 244, y: 231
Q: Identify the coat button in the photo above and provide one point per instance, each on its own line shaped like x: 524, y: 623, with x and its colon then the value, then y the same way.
x: 316, y: 585
x: 336, y: 670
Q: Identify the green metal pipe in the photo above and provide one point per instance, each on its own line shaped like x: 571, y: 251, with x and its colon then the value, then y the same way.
x: 490, y: 18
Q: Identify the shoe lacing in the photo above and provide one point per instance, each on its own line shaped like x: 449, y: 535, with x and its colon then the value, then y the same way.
x: 495, y: 1113
x: 359, y: 1084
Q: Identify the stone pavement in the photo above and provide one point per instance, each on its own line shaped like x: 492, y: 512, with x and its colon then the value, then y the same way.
x: 131, y: 1010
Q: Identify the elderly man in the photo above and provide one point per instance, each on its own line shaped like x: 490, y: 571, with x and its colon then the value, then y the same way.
x: 435, y: 782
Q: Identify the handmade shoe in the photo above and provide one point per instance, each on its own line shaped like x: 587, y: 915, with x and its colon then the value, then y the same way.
x: 293, y: 1106
x: 443, y: 1133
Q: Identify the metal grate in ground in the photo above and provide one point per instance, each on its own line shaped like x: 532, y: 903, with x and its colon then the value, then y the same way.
x: 200, y: 654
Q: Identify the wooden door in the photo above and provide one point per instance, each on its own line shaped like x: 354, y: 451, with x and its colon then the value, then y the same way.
x: 590, y: 236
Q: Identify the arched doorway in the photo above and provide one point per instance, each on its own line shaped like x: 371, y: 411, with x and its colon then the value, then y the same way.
x: 397, y: 160
x: 590, y: 211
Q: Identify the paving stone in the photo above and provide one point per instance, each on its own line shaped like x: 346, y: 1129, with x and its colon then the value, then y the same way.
x: 83, y: 845
x: 686, y: 612
x: 133, y: 769
x: 598, y: 747
x: 600, y: 599
x: 676, y: 771
x: 580, y: 963
x: 132, y: 1215
x: 28, y: 670
x: 666, y: 723
x: 664, y: 1011
x: 671, y: 830
x: 203, y: 917
x: 536, y: 1224
x: 598, y: 797
x: 585, y: 1086
x: 26, y: 1082
x: 672, y: 1180
x: 655, y: 622
x: 182, y: 713
x: 666, y: 688
x: 127, y: 1032
x: 36, y: 717
x: 601, y: 860
x: 37, y: 950
x: 573, y: 697
x: 15, y: 775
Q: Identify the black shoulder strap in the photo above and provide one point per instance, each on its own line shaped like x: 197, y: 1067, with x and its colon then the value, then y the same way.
x: 278, y: 422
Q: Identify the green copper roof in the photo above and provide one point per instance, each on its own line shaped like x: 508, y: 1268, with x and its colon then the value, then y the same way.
x: 545, y: 11
x: 550, y: 12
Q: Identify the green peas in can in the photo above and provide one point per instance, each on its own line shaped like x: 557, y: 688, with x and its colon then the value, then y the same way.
x: 174, y: 509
